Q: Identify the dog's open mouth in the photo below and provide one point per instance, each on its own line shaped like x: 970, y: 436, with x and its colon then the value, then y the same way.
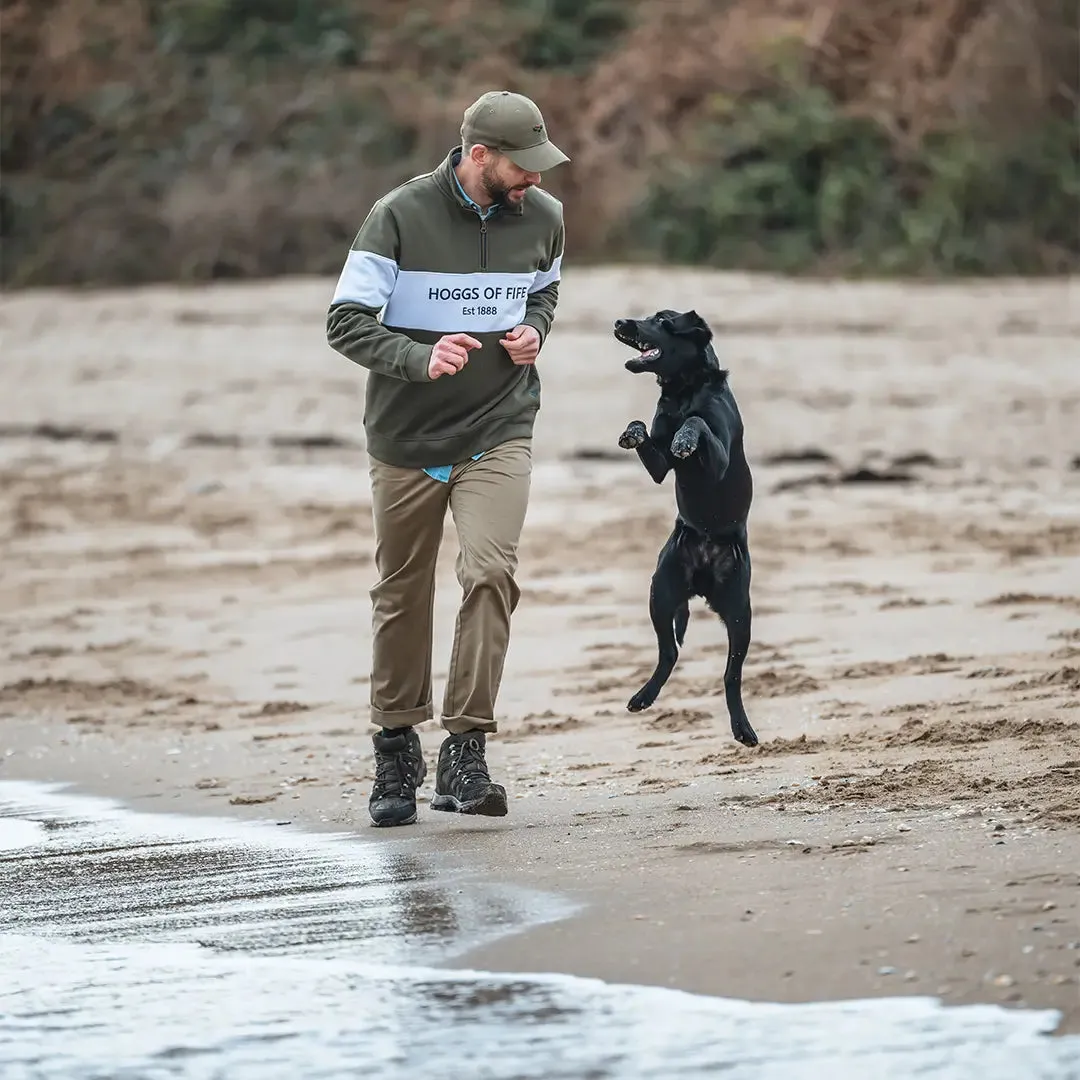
x: 648, y: 352
x: 626, y: 333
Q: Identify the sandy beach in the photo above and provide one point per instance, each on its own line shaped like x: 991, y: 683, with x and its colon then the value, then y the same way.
x: 186, y: 547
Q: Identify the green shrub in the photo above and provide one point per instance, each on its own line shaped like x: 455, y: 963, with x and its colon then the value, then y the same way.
x: 983, y: 206
x: 568, y: 34
x: 252, y: 135
x: 323, y: 30
x: 789, y: 182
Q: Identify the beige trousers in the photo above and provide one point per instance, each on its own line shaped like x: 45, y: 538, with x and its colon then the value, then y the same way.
x: 487, y: 499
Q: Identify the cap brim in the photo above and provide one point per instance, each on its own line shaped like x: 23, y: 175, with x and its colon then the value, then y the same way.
x: 546, y: 155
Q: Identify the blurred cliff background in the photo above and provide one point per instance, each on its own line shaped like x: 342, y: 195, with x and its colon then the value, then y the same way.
x: 188, y: 140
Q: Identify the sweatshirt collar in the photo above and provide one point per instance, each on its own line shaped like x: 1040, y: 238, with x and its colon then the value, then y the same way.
x: 448, y: 181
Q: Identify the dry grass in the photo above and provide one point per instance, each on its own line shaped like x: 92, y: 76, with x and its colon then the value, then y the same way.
x: 916, y: 67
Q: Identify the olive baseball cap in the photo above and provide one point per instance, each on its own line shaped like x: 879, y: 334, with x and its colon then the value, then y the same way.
x: 513, y: 125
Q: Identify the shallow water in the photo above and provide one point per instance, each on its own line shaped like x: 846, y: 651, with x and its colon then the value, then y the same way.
x: 136, y: 945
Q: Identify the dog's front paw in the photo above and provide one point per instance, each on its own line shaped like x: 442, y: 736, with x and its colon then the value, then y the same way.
x: 634, y: 436
x: 684, y: 443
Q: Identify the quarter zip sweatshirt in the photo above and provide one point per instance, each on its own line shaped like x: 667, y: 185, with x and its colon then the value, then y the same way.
x: 425, y: 264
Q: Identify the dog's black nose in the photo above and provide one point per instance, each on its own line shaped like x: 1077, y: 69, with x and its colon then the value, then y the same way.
x: 622, y: 324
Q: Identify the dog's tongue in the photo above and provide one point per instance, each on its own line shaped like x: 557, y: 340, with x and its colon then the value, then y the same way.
x: 649, y: 354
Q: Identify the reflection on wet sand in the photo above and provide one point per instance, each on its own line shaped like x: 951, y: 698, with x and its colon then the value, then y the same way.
x: 91, y: 870
x: 149, y: 946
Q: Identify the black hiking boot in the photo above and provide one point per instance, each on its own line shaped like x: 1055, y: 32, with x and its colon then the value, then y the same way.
x: 462, y: 783
x: 399, y: 770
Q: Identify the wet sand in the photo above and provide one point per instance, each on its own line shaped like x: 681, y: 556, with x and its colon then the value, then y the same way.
x: 186, y: 549
x: 164, y: 945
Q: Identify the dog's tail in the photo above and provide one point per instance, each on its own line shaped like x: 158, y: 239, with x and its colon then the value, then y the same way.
x: 682, y: 619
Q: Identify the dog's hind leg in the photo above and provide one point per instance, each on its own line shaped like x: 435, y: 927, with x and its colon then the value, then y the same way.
x: 668, y: 596
x: 730, y: 599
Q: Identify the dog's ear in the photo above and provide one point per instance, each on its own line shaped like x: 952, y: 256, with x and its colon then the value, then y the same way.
x: 691, y: 325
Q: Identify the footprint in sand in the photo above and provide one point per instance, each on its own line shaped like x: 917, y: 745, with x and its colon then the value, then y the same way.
x: 276, y: 708
x: 678, y: 720
x: 58, y: 694
x: 779, y: 682
x: 1066, y: 677
x: 545, y: 723
x: 1018, y: 599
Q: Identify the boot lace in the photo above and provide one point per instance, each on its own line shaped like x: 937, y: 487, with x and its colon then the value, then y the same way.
x: 395, y: 774
x: 468, y: 762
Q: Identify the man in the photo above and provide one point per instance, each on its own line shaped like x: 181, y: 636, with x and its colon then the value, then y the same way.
x: 446, y: 298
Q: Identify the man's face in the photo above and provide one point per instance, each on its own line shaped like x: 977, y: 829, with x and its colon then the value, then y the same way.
x: 504, y: 181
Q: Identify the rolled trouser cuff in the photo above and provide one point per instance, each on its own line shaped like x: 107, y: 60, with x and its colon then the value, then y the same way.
x: 459, y: 725
x: 402, y: 718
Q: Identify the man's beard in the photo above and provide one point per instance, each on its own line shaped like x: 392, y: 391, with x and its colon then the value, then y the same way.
x: 496, y: 190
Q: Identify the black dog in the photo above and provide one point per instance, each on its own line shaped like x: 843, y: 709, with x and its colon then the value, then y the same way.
x: 697, y: 432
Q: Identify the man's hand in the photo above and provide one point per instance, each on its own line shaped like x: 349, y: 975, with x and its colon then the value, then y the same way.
x: 450, y: 354
x: 522, y: 343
